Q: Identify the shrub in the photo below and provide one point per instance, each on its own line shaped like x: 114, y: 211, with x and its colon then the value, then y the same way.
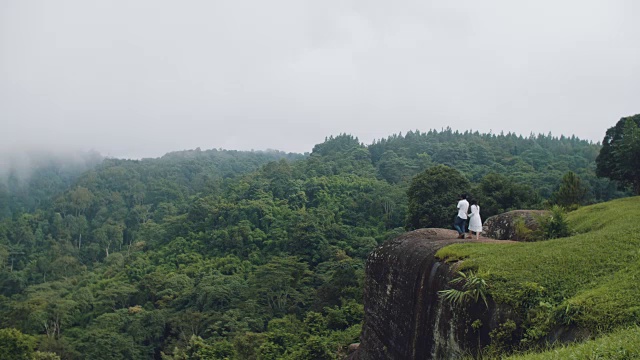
x: 552, y: 226
x: 473, y: 288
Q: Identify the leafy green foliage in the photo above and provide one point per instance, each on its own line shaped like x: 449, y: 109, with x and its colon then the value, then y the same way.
x: 15, y: 345
x: 473, y: 288
x: 433, y: 195
x: 498, y: 194
x: 522, y: 231
x: 619, y: 158
x: 39, y: 355
x: 571, y: 192
x: 29, y: 181
x: 199, y: 349
x: 551, y: 226
x: 501, y: 337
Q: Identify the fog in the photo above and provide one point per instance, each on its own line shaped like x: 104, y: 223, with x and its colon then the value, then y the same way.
x: 140, y: 78
x: 20, y: 165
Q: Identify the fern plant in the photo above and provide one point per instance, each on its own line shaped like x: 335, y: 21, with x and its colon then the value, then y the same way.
x: 473, y: 288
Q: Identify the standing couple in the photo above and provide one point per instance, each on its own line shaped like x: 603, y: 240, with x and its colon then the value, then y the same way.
x: 475, y: 222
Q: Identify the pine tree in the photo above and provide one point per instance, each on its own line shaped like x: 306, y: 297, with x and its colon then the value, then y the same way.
x: 571, y: 192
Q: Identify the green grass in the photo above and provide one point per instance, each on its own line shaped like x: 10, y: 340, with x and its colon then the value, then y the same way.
x: 620, y: 345
x: 590, y: 279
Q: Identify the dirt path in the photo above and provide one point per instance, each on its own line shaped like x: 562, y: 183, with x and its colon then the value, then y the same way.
x: 438, y: 235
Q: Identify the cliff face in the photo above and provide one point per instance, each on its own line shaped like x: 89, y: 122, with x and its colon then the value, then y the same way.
x: 404, y: 316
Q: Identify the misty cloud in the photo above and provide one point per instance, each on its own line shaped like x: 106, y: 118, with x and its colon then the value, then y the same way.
x: 22, y: 164
x: 141, y: 78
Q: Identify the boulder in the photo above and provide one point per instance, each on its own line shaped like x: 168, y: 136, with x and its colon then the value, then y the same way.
x: 503, y: 226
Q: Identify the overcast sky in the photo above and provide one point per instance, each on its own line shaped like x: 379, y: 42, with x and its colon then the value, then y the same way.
x: 139, y: 78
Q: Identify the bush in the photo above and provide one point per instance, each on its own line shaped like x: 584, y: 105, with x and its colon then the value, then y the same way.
x: 15, y: 345
x: 553, y: 225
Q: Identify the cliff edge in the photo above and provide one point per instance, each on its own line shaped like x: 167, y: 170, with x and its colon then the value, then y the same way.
x: 404, y: 316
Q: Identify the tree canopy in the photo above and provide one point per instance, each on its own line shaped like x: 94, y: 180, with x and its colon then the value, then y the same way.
x: 619, y: 157
x: 571, y: 191
x: 433, y: 195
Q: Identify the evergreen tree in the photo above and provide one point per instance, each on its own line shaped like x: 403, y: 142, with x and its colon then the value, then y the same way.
x: 571, y: 192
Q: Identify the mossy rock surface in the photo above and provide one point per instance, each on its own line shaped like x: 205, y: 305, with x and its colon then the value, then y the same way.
x: 505, y: 226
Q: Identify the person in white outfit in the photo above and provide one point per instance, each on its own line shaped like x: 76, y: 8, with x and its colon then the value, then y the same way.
x: 461, y: 219
x: 475, y: 221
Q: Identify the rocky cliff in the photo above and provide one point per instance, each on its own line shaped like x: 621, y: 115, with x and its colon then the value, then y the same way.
x: 404, y: 316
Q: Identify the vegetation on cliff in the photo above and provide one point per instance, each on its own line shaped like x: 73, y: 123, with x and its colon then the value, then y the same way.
x: 587, y: 281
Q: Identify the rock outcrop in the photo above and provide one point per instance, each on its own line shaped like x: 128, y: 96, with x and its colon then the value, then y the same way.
x: 404, y: 316
x: 503, y: 226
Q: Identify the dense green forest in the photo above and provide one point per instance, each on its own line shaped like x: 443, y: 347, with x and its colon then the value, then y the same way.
x: 29, y: 180
x: 240, y: 255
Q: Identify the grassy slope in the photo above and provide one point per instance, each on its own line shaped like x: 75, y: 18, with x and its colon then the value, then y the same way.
x: 589, y: 279
x: 619, y: 345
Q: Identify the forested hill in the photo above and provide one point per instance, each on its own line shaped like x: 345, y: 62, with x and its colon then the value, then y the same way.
x: 537, y: 160
x: 29, y: 180
x: 243, y: 254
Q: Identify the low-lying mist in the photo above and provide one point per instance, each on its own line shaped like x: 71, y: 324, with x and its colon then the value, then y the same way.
x: 20, y: 165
